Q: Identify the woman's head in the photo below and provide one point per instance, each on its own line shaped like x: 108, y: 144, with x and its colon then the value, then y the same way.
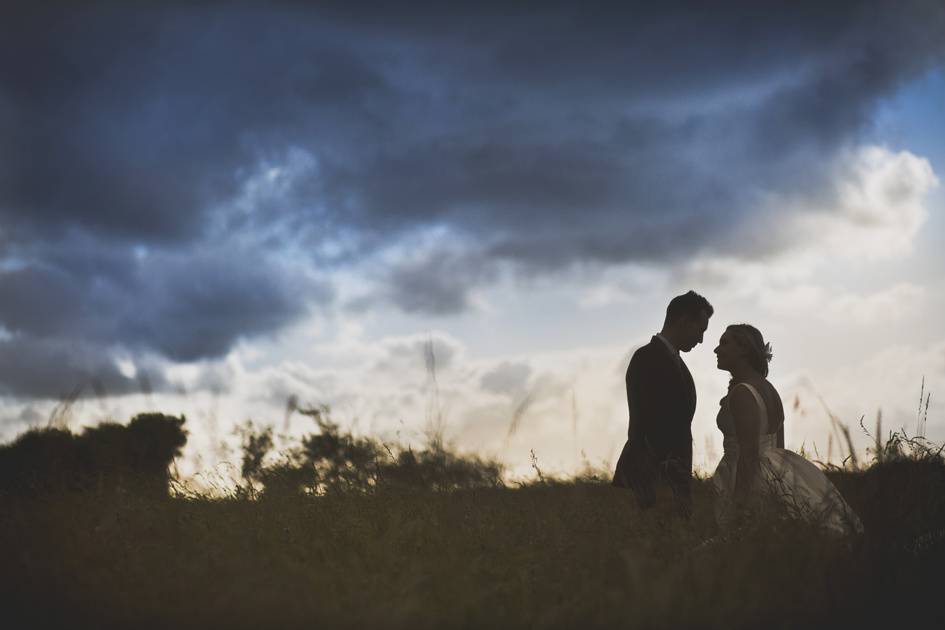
x: 743, y: 342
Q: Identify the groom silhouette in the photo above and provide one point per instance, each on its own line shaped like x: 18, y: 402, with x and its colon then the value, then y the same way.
x: 661, y: 397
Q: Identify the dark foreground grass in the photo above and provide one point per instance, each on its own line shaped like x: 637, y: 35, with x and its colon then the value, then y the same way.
x: 563, y: 555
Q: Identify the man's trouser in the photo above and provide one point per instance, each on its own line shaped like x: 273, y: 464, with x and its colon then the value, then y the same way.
x: 640, y: 470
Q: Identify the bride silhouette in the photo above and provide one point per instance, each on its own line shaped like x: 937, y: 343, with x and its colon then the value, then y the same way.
x: 755, y: 466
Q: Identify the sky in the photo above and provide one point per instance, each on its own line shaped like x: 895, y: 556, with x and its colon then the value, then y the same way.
x: 464, y: 218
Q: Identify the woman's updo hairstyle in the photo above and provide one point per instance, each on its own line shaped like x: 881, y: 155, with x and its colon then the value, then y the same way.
x: 757, y: 350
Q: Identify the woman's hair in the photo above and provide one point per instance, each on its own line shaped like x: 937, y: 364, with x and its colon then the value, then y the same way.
x: 757, y: 350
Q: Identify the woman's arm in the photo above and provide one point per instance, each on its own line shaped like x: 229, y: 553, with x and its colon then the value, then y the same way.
x: 745, y: 411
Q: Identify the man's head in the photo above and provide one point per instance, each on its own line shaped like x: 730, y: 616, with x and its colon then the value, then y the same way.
x: 687, y: 318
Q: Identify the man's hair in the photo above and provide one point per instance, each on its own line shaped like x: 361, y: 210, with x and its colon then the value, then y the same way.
x: 689, y: 304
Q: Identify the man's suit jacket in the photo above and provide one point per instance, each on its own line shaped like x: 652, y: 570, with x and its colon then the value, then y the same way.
x: 661, y: 397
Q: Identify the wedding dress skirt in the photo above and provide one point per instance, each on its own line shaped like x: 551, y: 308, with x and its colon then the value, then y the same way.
x: 799, y: 486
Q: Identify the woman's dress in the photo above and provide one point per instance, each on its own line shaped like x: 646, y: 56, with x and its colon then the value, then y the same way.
x: 797, y: 484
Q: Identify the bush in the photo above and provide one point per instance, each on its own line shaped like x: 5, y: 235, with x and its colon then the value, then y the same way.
x: 107, y: 458
x: 332, y: 460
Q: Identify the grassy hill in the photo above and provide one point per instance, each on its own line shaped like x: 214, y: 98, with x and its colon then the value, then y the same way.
x: 425, y: 552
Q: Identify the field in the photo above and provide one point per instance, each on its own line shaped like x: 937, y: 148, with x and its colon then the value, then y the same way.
x: 548, y: 554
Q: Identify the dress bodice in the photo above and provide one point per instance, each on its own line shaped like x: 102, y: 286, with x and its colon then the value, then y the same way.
x: 726, y: 423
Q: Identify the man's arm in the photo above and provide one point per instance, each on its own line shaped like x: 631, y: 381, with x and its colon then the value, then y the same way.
x: 646, y: 401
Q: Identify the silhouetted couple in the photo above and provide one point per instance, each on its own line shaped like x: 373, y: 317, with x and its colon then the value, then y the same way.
x: 755, y: 468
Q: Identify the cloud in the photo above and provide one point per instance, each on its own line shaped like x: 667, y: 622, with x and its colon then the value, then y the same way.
x: 440, y: 283
x: 179, y: 307
x: 876, y: 208
x: 183, y: 307
x: 888, y: 380
x: 178, y: 178
x: 549, y: 178
x: 892, y: 304
x: 871, y: 212
x: 600, y: 137
x: 896, y: 303
x: 605, y: 295
x: 424, y: 354
x: 141, y: 122
x: 47, y: 368
x: 507, y: 378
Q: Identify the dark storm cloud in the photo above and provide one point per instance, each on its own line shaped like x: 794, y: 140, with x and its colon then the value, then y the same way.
x: 139, y: 122
x: 69, y: 317
x: 593, y: 133
x: 183, y: 307
x: 136, y: 123
x: 50, y: 368
x: 438, y: 283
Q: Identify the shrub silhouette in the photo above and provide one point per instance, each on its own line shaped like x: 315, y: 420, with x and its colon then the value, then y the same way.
x: 333, y: 460
x: 108, y: 458
x: 256, y: 445
x: 439, y: 469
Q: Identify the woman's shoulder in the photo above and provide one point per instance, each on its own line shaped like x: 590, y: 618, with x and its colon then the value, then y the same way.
x: 769, y: 391
x: 749, y: 394
x: 771, y: 400
x: 740, y: 395
x: 760, y: 386
x: 744, y: 388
